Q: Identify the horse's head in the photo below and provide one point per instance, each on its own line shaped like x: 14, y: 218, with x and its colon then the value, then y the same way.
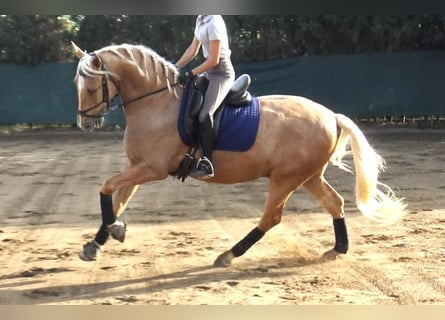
x: 135, y: 72
x: 94, y: 91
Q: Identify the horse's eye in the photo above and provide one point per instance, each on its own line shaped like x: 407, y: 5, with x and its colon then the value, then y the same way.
x: 92, y: 91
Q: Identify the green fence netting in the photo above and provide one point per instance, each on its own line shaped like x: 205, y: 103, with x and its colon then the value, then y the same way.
x: 362, y: 85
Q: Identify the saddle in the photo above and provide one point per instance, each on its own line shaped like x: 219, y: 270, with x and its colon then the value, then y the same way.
x: 193, y: 99
x: 188, y: 121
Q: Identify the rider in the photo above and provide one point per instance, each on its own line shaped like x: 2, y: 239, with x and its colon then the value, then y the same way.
x: 210, y: 33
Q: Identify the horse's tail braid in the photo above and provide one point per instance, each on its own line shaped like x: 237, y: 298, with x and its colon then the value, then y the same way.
x: 374, y: 199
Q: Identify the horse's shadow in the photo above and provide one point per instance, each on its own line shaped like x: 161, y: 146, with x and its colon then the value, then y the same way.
x: 201, y: 278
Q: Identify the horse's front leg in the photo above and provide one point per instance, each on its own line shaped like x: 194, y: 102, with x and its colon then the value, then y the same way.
x: 120, y: 200
x: 115, y: 194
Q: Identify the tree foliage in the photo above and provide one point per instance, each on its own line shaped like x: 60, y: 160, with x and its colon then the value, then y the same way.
x: 36, y: 39
x: 167, y: 35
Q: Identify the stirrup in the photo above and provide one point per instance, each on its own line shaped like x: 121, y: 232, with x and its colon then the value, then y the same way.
x: 117, y: 230
x: 90, y: 251
x: 204, y: 170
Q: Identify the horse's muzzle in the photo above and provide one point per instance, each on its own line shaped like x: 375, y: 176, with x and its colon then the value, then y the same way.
x: 89, y: 124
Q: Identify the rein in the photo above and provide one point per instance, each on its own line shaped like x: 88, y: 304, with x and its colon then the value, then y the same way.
x: 106, y: 98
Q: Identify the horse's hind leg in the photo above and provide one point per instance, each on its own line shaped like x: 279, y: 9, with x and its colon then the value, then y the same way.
x: 279, y: 193
x: 333, y: 202
x: 121, y: 198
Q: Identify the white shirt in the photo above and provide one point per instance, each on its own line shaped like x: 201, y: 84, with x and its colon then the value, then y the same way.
x: 209, y: 28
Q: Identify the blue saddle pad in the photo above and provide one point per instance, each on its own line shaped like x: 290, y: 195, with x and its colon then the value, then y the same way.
x: 237, y: 129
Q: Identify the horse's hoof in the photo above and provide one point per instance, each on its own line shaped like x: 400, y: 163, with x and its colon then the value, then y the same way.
x: 117, y: 230
x: 332, y: 255
x: 90, y: 251
x: 224, y: 259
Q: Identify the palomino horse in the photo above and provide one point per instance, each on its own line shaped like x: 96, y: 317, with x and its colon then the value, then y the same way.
x: 295, y: 140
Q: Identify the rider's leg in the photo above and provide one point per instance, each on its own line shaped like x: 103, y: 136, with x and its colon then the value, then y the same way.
x: 220, y: 82
x: 206, y: 141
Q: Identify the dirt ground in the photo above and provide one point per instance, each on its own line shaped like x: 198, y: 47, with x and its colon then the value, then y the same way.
x: 49, y: 195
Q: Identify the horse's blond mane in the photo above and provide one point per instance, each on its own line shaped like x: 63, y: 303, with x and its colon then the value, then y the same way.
x: 148, y: 63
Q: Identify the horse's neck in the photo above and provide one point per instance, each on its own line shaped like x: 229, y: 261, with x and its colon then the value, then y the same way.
x: 157, y: 112
x: 139, y: 76
x: 151, y: 130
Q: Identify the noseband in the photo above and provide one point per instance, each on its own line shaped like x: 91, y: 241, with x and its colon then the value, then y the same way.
x: 106, y: 97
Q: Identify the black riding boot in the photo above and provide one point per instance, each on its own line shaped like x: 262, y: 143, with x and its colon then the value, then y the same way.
x: 206, y: 140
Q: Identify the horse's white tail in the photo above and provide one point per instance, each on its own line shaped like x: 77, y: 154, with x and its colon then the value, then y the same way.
x: 374, y: 199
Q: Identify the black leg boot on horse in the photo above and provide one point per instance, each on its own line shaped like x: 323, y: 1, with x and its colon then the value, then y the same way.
x: 204, y: 169
x: 110, y: 226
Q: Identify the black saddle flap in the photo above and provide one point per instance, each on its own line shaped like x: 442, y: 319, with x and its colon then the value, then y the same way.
x: 194, y: 101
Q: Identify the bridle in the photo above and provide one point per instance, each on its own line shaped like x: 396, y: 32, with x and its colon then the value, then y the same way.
x: 105, y: 99
x: 106, y: 96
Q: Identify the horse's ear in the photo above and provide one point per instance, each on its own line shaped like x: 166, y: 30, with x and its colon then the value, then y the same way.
x: 77, y: 51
